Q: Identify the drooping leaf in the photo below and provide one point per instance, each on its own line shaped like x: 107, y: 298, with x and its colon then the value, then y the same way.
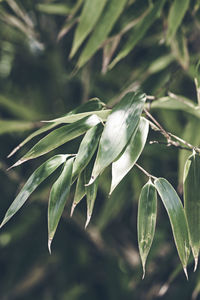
x: 87, y: 148
x: 39, y: 175
x: 57, y: 199
x: 177, y: 218
x: 191, y: 184
x: 79, y: 192
x: 89, y: 16
x: 177, y: 11
x: 121, y: 124
x: 92, y: 105
x: 112, y: 12
x: 139, y: 31
x: 129, y: 157
x: 58, y: 137
x: 146, y: 221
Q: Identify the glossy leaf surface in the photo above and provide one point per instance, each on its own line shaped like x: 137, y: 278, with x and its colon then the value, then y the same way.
x: 129, y: 157
x: 57, y: 199
x: 33, y: 182
x: 146, y: 221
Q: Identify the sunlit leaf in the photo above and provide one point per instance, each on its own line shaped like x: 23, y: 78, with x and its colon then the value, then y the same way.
x: 7, y: 126
x: 112, y: 12
x: 57, y: 199
x: 79, y: 192
x: 54, y: 8
x: 146, y: 222
x: 177, y: 218
x: 129, y: 157
x: 121, y: 124
x: 39, y: 175
x: 58, y: 137
x: 89, y: 16
x: 191, y: 186
x: 177, y: 11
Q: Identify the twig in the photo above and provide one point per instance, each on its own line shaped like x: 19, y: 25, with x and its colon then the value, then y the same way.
x: 167, y: 144
x: 145, y: 172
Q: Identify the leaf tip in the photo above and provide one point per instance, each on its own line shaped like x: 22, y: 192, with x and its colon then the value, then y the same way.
x: 92, y: 179
x: 88, y: 220
x: 49, y: 245
x: 186, y: 273
x: 13, y: 151
x: 195, y: 263
x: 72, y: 209
x: 19, y: 162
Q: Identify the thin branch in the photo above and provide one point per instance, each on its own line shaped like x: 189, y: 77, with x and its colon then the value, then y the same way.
x: 167, y: 144
x: 145, y: 172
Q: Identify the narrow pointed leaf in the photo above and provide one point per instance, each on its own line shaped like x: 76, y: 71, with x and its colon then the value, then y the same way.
x: 57, y: 199
x: 87, y: 148
x: 180, y: 50
x: 59, y: 136
x: 191, y: 184
x: 139, y: 31
x: 92, y: 105
x: 146, y: 222
x: 177, y: 218
x: 105, y: 24
x: 33, y: 182
x: 129, y: 157
x: 79, y: 192
x: 177, y: 11
x: 89, y: 16
x: 121, y: 124
x: 91, y: 192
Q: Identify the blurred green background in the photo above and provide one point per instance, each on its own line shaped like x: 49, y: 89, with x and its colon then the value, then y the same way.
x: 38, y: 81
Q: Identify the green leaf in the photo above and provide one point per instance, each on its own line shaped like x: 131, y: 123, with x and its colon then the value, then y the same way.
x: 89, y: 16
x: 58, y: 196
x: 33, y: 182
x: 92, y: 105
x: 105, y: 24
x: 54, y: 8
x: 121, y: 124
x: 177, y: 218
x: 7, y: 126
x: 87, y: 148
x: 59, y: 137
x: 139, y: 31
x: 177, y: 11
x: 133, y: 150
x: 180, y: 50
x: 79, y: 192
x: 146, y: 222
x: 191, y: 184
x: 91, y: 192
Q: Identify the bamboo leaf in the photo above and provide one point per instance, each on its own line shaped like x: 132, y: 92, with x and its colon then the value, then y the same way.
x: 7, y: 126
x: 58, y: 137
x: 121, y: 124
x: 180, y: 50
x: 92, y: 105
x: 57, y: 199
x: 90, y: 14
x: 54, y: 8
x: 176, y: 14
x: 139, y: 31
x: 33, y: 182
x: 133, y: 150
x: 105, y: 24
x: 87, y: 148
x: 146, y: 222
x: 191, y: 183
x: 79, y: 192
x: 177, y: 218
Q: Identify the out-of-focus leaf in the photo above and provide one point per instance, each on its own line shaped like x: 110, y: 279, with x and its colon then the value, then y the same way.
x: 177, y: 218
x: 7, y: 126
x: 177, y: 11
x: 90, y: 14
x: 87, y: 148
x: 180, y: 50
x: 139, y: 31
x: 92, y: 105
x: 54, y: 8
x: 59, y: 137
x: 160, y: 63
x: 121, y: 124
x: 112, y: 12
x: 34, y: 180
x: 57, y: 199
x: 79, y: 192
x: 146, y: 222
x: 129, y: 157
x: 91, y: 192
x: 191, y: 184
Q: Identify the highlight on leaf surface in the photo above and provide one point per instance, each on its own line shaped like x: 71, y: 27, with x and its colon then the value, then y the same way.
x: 146, y: 221
x: 177, y: 219
x: 191, y: 184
